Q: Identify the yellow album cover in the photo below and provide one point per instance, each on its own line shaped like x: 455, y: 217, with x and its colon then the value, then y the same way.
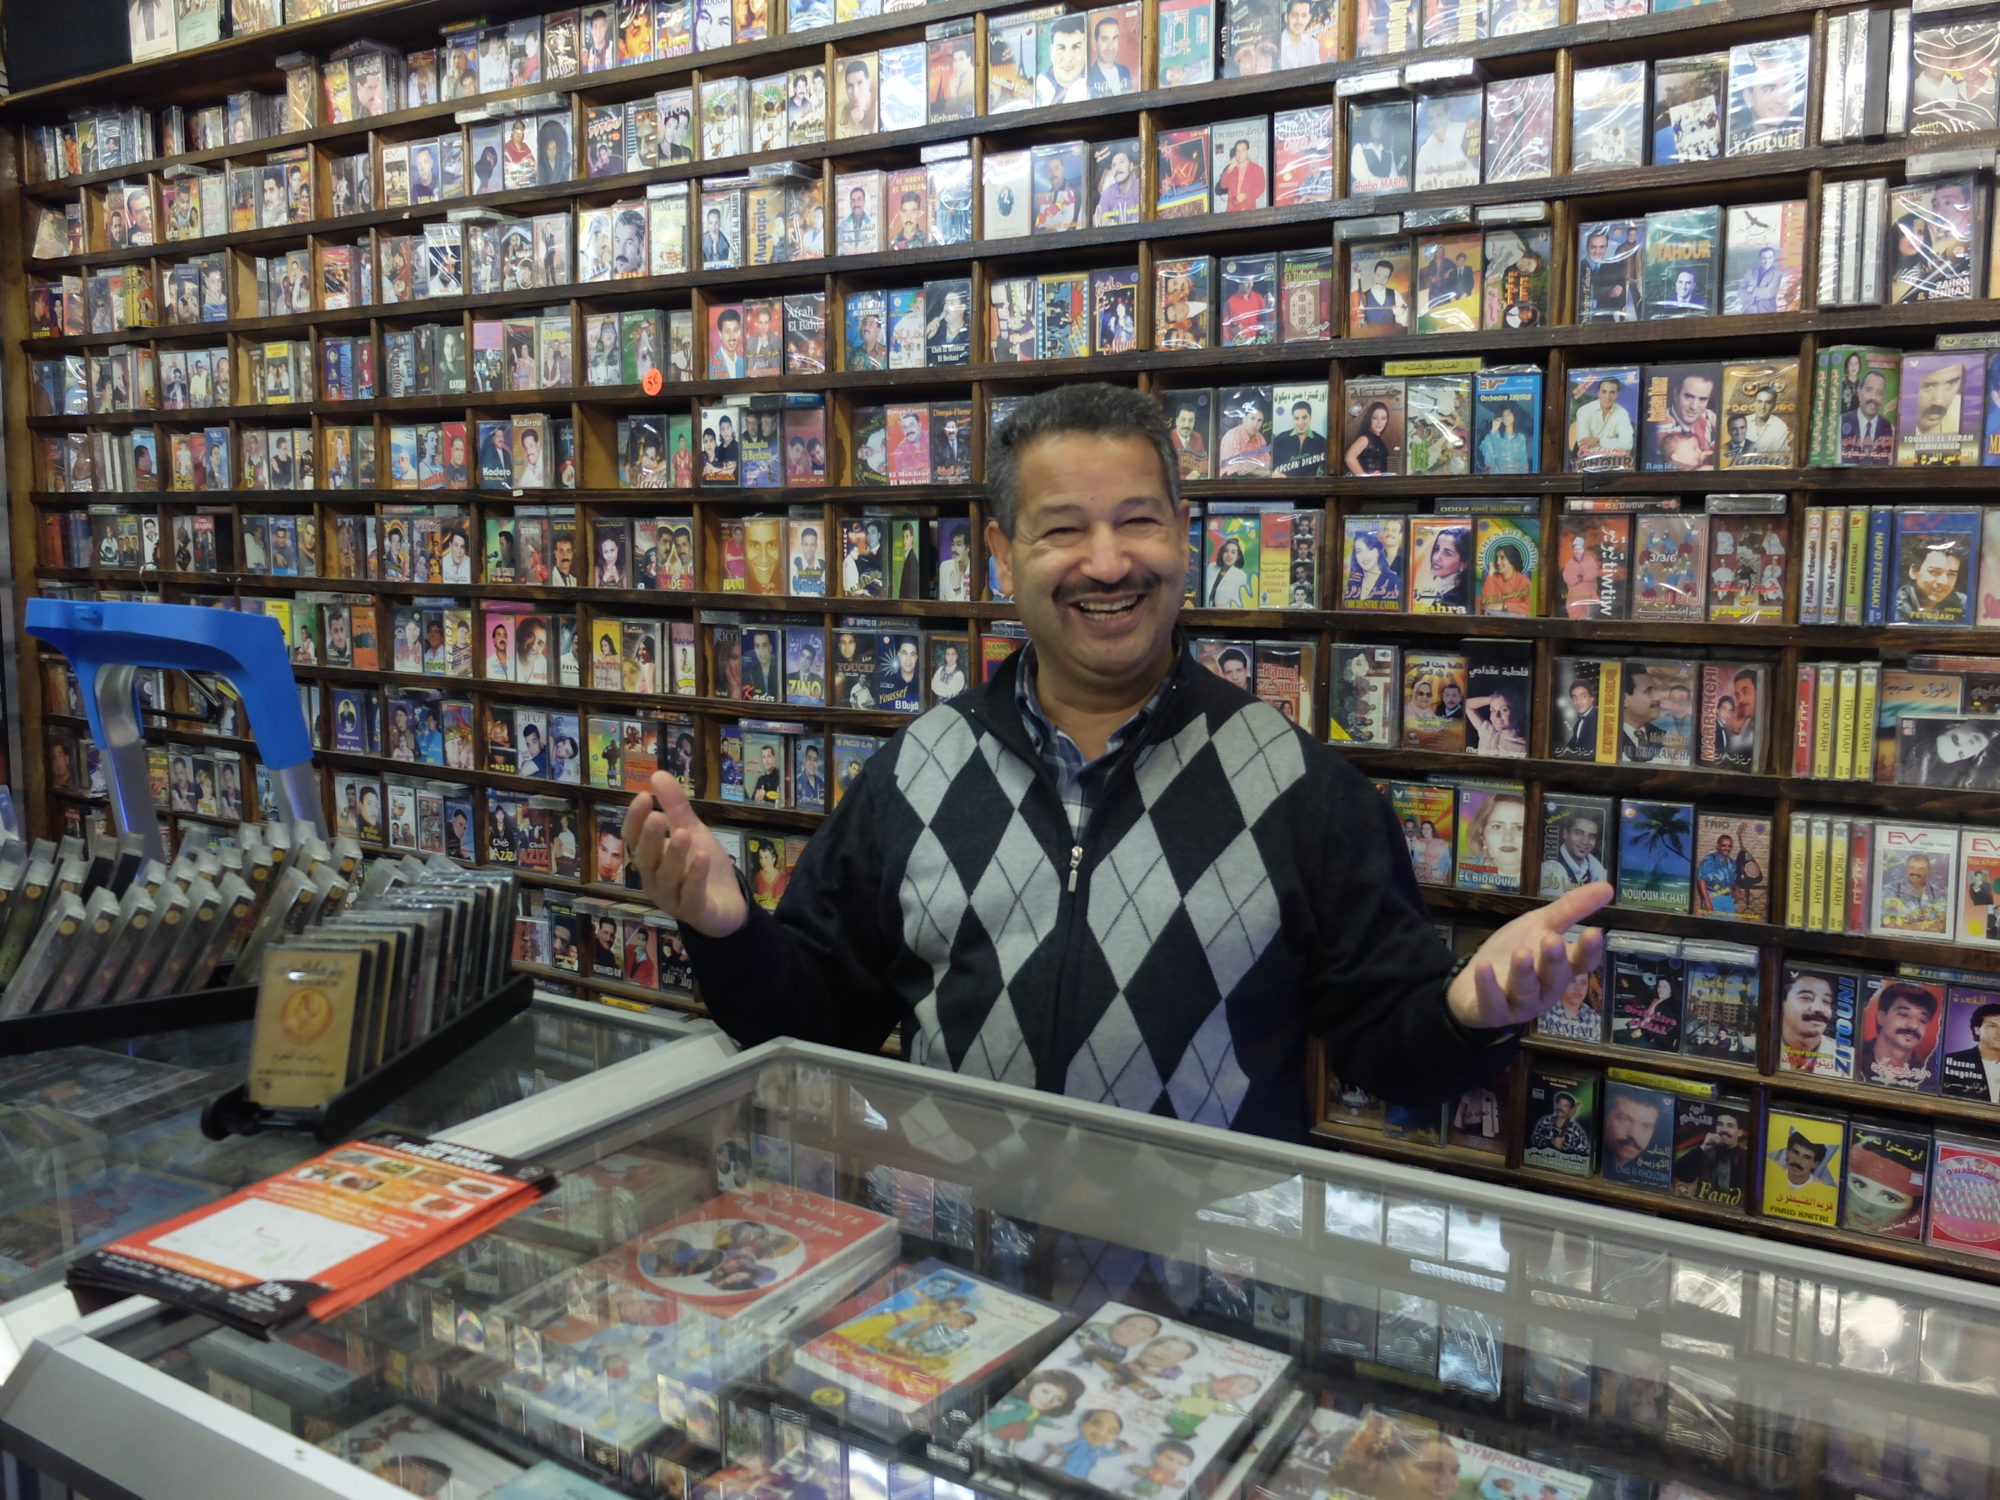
x: 1801, y: 1167
x: 304, y: 1028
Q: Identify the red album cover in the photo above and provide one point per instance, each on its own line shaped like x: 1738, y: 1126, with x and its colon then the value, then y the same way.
x: 1965, y: 1197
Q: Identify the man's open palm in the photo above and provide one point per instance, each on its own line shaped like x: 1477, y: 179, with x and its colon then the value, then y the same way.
x: 681, y: 866
x: 1523, y: 969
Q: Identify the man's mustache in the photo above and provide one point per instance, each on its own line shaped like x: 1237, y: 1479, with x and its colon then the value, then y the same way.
x: 1131, y: 583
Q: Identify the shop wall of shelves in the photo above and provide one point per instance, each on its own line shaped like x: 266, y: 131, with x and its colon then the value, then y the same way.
x: 1589, y: 1348
x: 1558, y: 346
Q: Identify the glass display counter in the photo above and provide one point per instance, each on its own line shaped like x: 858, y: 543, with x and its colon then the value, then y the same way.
x: 809, y: 1275
x: 98, y: 1141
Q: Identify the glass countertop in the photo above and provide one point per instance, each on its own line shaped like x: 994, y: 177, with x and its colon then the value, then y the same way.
x: 98, y: 1141
x: 819, y: 1277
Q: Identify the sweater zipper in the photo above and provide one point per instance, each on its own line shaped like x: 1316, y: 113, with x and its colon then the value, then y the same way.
x: 1071, y: 899
x: 1066, y: 925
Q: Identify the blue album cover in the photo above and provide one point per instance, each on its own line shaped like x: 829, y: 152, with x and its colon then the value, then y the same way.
x: 1507, y: 423
x: 214, y: 295
x: 349, y: 737
x: 1638, y: 1136
x: 1720, y: 1017
x: 458, y: 827
x: 403, y: 458
x: 763, y: 665
x: 805, y: 668
x: 340, y: 370
x: 1937, y: 558
x: 1655, y: 855
x: 760, y: 454
x: 496, y: 457
x: 731, y: 739
x: 864, y: 325
x: 809, y: 779
x: 565, y: 748
x: 218, y: 470
x: 898, y: 674
x: 429, y: 730
x: 1990, y: 454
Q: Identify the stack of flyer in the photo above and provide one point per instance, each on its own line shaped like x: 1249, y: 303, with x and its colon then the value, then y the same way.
x: 320, y: 1238
x: 915, y: 1351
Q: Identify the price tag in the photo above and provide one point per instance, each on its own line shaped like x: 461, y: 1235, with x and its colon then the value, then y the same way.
x: 652, y: 381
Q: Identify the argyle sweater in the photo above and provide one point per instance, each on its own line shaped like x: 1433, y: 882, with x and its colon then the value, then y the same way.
x: 1239, y: 888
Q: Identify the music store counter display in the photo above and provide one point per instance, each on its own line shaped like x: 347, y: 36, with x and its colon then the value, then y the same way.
x: 98, y: 1142
x: 1578, y: 402
x: 814, y: 1274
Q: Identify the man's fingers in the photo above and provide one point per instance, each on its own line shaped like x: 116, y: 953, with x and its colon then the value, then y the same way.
x: 673, y: 800
x: 1493, y: 1008
x: 1552, y: 970
x: 1573, y: 906
x: 1587, y: 952
x: 694, y: 879
x: 659, y: 859
x: 653, y: 833
x: 1522, y: 985
x: 635, y: 820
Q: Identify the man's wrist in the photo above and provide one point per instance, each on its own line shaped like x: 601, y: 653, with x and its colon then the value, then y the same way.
x: 1478, y: 1036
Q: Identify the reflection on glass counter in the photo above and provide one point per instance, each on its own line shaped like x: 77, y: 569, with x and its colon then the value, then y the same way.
x: 97, y: 1142
x: 811, y: 1278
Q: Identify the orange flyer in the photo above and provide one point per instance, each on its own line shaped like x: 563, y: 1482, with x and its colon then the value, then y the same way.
x: 318, y: 1239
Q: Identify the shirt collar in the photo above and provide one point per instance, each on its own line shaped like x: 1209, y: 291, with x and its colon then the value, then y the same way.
x: 1043, y: 730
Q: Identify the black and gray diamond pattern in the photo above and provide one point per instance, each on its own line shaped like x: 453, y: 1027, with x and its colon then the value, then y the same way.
x: 1179, y: 908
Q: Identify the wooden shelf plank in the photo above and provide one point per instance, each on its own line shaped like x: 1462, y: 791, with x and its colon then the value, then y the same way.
x: 1848, y: 1094
x: 1661, y: 1205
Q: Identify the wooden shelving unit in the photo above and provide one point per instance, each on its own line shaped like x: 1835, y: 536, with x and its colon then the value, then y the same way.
x: 1561, y: 344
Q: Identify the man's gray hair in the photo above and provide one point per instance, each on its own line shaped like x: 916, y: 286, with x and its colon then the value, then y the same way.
x: 1092, y: 408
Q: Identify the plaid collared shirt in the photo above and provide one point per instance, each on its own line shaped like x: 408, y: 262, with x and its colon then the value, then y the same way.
x: 1079, y: 781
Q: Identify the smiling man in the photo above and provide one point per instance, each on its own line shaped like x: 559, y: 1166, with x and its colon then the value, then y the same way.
x: 1899, y: 1053
x: 1107, y: 872
x: 1806, y: 1026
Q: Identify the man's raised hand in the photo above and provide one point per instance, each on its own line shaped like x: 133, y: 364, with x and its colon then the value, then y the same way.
x: 1523, y: 969
x: 681, y: 866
